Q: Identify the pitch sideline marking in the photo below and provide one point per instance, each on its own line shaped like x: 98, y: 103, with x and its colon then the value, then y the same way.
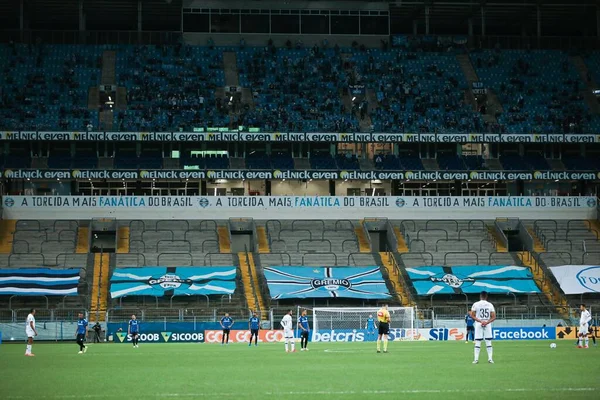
x: 324, y: 393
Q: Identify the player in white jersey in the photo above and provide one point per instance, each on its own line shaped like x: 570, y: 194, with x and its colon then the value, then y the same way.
x: 584, y: 321
x: 30, y: 331
x: 288, y: 331
x: 484, y: 314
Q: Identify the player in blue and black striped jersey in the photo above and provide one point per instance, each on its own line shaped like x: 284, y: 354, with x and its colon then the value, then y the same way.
x: 226, y: 323
x: 82, y: 325
x: 254, y: 326
x: 133, y: 330
x: 304, y: 331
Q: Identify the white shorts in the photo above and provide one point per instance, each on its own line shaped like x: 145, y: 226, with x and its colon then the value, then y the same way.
x: 584, y: 329
x: 29, y: 332
x: 288, y: 333
x: 483, y: 332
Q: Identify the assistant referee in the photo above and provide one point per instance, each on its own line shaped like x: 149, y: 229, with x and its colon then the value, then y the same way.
x: 383, y: 316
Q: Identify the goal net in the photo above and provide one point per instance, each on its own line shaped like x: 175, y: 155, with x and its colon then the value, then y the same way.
x: 350, y: 319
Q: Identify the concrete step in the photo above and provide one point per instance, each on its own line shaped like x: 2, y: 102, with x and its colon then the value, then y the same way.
x: 230, y: 68
x: 109, y: 60
x: 121, y: 102
x: 366, y: 164
x: 430, y: 164
x: 301, y: 163
x: 93, y: 98
x: 556, y: 165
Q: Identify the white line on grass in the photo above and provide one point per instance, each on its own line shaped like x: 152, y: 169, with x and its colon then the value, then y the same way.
x: 318, y: 393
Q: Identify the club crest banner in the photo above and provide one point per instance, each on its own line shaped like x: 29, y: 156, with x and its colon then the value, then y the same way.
x: 163, y: 281
x: 472, y: 279
x: 326, y: 282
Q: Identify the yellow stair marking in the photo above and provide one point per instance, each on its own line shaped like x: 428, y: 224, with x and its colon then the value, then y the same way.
x: 500, y: 247
x: 553, y: 295
x: 538, y: 246
x: 402, y: 247
x: 263, y: 242
x: 83, y: 240
x: 401, y: 293
x: 7, y: 230
x: 224, y: 242
x: 100, y: 286
x: 595, y: 226
x: 123, y: 240
x: 248, y: 290
x: 261, y: 303
x: 361, y: 236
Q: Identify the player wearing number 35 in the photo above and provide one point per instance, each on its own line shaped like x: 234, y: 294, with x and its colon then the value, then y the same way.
x: 484, y: 314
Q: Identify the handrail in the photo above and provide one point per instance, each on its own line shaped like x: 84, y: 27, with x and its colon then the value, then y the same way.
x: 252, y: 282
x: 452, y: 240
x: 131, y: 241
x: 173, y: 254
x: 561, y: 240
x: 187, y: 295
x: 29, y: 254
x: 308, y: 220
x: 161, y: 230
x: 158, y: 243
x: 42, y: 231
x: 492, y: 254
x: 335, y: 231
x: 28, y: 221
x: 60, y: 233
x: 281, y: 254
x: 410, y: 244
x: 415, y: 253
x: 431, y: 230
x: 320, y: 253
x: 587, y: 253
x: 273, y: 241
x: 335, y: 227
x: 536, y: 223
x: 460, y: 252
x: 584, y: 221
x: 65, y: 220
x: 403, y: 228
x: 118, y: 255
x: 187, y: 223
x: 582, y: 230
x: 298, y: 230
x: 98, y: 297
x: 209, y: 241
x: 351, y: 241
x: 139, y: 221
x: 441, y: 220
x: 208, y: 222
x: 474, y: 221
x: 185, y: 234
x: 74, y: 242
x: 19, y: 241
x: 209, y: 255
x: 274, y: 222
x: 311, y: 240
x: 469, y: 230
x: 560, y: 254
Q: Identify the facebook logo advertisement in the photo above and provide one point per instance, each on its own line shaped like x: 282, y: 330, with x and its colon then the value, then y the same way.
x: 528, y: 333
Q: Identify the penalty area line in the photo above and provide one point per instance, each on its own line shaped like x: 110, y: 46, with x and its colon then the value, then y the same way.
x: 315, y: 393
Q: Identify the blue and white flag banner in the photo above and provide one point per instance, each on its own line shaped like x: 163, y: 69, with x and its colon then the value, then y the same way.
x: 168, y: 281
x: 326, y: 282
x: 39, y: 282
x: 578, y: 279
x: 472, y: 279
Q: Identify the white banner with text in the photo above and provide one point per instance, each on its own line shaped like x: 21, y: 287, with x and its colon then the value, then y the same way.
x: 296, y: 207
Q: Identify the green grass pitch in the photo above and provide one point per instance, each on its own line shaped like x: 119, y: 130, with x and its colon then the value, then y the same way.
x: 423, y: 370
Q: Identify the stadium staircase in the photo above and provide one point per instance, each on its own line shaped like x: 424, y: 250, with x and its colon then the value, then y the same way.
x: 389, y: 270
x: 83, y: 240
x: 493, y: 103
x: 500, y: 247
x: 401, y: 246
x: 250, y: 281
x: 123, y: 240
x: 100, y: 285
x: 263, y: 241
x: 552, y: 293
x: 7, y: 229
x: 224, y: 240
x: 538, y: 246
x: 361, y: 236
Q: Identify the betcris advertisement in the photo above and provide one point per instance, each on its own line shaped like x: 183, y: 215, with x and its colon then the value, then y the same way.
x: 362, y: 335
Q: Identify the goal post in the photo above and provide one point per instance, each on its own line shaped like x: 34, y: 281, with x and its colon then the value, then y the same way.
x: 355, y: 318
